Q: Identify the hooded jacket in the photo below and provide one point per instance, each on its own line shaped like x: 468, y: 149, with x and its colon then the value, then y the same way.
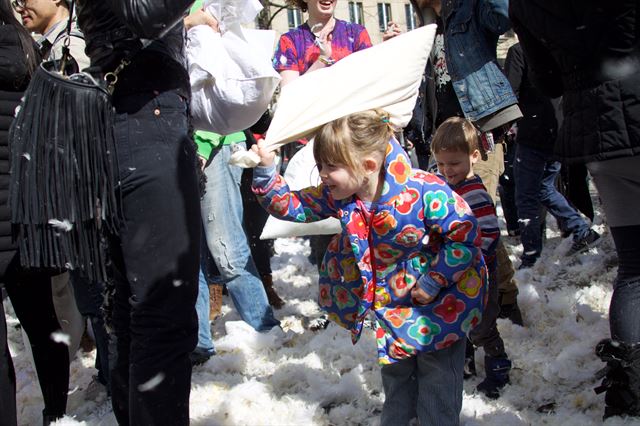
x: 419, y: 233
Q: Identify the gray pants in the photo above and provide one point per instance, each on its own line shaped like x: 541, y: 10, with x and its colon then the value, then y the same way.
x: 428, y: 385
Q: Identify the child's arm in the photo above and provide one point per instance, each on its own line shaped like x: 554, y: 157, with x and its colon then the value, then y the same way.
x: 454, y: 238
x: 307, y: 205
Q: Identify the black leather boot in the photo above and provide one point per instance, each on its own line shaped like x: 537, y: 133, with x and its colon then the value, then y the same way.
x: 621, y: 377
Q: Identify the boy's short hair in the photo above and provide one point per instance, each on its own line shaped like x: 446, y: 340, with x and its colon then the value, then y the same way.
x: 455, y: 134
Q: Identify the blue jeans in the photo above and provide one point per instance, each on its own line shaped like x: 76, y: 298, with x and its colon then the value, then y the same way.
x: 428, y: 385
x: 535, y: 176
x: 222, y: 212
x: 205, y: 342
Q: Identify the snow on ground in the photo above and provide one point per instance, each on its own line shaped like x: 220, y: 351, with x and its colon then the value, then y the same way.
x: 301, y: 377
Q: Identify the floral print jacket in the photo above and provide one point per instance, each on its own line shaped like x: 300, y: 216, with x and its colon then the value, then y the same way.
x: 421, y: 233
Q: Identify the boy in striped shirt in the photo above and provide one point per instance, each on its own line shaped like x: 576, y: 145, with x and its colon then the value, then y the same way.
x: 455, y: 147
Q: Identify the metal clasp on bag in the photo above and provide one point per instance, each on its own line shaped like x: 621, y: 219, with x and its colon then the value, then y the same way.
x: 112, y: 77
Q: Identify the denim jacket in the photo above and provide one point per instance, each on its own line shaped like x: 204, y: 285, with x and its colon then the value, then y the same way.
x: 471, y: 33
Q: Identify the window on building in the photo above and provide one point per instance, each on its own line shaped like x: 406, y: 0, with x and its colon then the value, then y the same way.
x: 384, y: 15
x: 356, y: 12
x: 295, y: 17
x: 411, y: 16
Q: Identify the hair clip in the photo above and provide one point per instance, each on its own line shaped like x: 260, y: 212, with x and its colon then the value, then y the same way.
x: 385, y: 120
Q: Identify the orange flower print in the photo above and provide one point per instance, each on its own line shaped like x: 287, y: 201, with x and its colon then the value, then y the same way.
x: 448, y: 340
x: 398, y: 316
x: 406, y: 200
x: 383, y: 223
x: 449, y: 309
x: 324, y: 296
x: 409, y: 236
x: 399, y: 169
x: 400, y: 349
x: 382, y: 298
x: 440, y: 279
x: 349, y: 269
x: 401, y: 283
x: 333, y: 245
x: 469, y: 282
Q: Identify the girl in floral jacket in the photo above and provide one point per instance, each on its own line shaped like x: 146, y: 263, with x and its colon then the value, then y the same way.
x: 423, y: 243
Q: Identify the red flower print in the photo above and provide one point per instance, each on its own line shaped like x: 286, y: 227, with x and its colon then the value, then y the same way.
x: 401, y: 283
x: 357, y: 226
x: 400, y: 349
x: 410, y: 236
x: 459, y: 230
x: 324, y: 297
x: 332, y: 269
x: 438, y: 278
x: 406, y: 200
x: 449, y: 340
x: 461, y: 207
x: 387, y: 254
x: 449, y: 309
x: 279, y: 204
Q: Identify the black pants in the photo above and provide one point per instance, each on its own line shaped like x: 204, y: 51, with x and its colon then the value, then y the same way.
x: 255, y: 217
x: 7, y: 377
x: 156, y: 259
x: 30, y: 295
x: 89, y: 297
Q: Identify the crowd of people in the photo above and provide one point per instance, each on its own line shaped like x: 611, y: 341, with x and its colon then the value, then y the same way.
x: 420, y: 256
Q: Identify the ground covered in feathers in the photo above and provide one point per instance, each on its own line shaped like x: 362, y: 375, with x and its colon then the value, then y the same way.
x: 302, y: 377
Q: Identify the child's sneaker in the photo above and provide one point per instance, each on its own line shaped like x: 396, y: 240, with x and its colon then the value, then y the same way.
x: 497, y: 371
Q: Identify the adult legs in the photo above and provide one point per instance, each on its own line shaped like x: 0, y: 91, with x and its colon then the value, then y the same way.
x: 557, y: 205
x: 7, y: 377
x: 618, y: 183
x: 221, y: 210
x: 32, y: 300
x: 529, y: 170
x: 156, y: 261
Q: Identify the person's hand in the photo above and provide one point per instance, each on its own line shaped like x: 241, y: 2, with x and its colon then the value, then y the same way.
x: 266, y: 157
x: 202, y: 162
x: 324, y: 37
x: 200, y: 17
x: 420, y: 297
x: 393, y: 30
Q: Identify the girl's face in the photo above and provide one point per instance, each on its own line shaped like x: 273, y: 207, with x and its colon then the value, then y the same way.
x: 340, y: 180
x: 321, y: 8
x: 456, y: 166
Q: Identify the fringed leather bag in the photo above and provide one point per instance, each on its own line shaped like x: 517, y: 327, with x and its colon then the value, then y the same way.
x: 64, y: 171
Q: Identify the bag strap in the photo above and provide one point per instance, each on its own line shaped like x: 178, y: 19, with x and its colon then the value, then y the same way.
x: 66, y: 52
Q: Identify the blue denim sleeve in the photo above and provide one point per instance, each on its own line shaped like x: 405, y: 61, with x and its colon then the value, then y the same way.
x: 494, y: 15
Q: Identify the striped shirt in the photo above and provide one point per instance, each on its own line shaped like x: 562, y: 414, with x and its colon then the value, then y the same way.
x: 476, y: 195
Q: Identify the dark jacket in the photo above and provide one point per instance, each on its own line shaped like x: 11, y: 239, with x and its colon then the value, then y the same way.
x: 13, y: 80
x: 113, y: 29
x: 538, y: 127
x: 587, y: 51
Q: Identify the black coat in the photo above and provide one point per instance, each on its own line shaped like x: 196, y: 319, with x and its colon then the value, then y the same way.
x: 587, y: 51
x: 13, y: 81
x: 538, y: 127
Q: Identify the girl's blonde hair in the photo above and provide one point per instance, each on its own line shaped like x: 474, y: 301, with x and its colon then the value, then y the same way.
x: 455, y: 134
x: 347, y: 140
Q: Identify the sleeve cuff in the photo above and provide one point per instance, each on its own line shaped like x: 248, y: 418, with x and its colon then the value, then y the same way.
x: 429, y: 285
x: 263, y: 178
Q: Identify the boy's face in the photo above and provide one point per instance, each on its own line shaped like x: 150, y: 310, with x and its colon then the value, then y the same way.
x: 456, y: 166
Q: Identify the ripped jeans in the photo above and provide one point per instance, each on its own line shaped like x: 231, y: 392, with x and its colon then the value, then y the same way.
x: 221, y: 208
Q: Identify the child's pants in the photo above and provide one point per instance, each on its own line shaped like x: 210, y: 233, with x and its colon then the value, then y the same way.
x: 486, y: 333
x: 428, y: 385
